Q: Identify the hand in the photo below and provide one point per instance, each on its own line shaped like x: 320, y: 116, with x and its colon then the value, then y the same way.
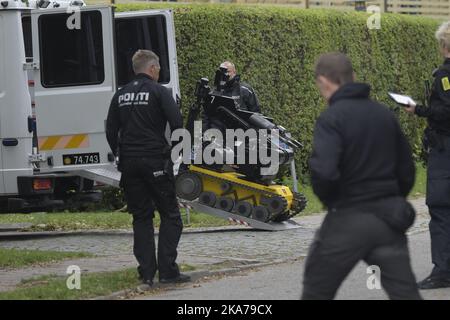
x: 411, y: 108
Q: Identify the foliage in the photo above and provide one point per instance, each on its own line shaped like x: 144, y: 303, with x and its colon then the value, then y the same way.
x: 275, y: 48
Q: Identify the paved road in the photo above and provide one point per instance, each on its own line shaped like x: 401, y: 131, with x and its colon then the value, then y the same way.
x: 244, y: 244
x: 284, y: 281
x: 204, y: 250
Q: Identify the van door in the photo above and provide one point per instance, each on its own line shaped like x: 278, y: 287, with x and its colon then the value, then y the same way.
x: 74, y: 83
x: 2, y: 94
x: 152, y: 30
x: 15, y: 104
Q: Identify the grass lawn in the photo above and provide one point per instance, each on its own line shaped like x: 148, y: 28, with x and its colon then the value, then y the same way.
x: 43, y: 221
x: 92, y: 285
x: 15, y: 258
x: 122, y: 220
x: 420, y: 185
x: 314, y: 205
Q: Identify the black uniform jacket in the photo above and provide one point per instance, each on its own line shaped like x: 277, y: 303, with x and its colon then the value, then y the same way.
x: 137, y: 119
x: 359, y: 151
x: 243, y: 94
x: 438, y: 112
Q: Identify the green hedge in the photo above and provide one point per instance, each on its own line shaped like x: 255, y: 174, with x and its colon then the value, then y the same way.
x: 275, y: 48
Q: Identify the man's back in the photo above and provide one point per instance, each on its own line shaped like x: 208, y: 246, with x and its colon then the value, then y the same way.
x: 138, y: 114
x: 140, y: 110
x: 359, y: 151
x: 361, y: 169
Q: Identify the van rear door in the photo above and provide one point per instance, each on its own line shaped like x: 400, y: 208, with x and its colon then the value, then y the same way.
x: 152, y: 30
x: 74, y: 83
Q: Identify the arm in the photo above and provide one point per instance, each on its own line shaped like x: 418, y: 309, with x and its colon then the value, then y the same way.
x: 171, y: 110
x: 113, y: 125
x: 253, y: 104
x: 250, y: 99
x: 439, y: 108
x: 324, y: 162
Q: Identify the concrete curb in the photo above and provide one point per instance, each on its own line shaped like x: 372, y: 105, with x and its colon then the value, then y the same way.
x: 24, y: 235
x: 195, y: 275
x: 13, y: 227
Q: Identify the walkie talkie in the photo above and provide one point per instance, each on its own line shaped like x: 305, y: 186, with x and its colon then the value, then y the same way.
x: 427, y: 92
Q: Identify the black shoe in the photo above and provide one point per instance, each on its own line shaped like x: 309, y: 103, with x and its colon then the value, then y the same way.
x: 179, y: 279
x: 434, y: 282
x: 145, y: 286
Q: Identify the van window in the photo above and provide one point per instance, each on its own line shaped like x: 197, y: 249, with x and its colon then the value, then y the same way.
x: 71, y: 57
x: 135, y: 33
x: 27, y: 38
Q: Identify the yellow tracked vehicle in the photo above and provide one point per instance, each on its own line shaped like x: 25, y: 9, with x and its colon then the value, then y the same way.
x: 239, y: 191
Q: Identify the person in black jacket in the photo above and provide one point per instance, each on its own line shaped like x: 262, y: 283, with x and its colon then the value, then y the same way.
x: 135, y: 130
x: 361, y: 169
x: 242, y: 93
x: 437, y: 146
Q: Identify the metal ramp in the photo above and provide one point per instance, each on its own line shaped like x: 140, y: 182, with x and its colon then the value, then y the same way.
x: 107, y: 175
x: 110, y: 176
x: 269, y: 226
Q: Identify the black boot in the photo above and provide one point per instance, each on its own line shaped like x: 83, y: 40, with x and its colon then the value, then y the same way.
x: 179, y: 279
x: 434, y: 282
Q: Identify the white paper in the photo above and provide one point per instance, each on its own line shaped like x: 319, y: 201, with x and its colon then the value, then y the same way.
x: 402, y: 99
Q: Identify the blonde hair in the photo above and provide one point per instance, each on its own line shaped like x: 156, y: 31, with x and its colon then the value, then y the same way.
x: 142, y: 59
x: 443, y: 35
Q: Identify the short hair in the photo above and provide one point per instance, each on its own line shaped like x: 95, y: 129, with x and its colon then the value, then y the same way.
x: 336, y: 67
x: 142, y: 59
x: 228, y: 62
x: 443, y: 35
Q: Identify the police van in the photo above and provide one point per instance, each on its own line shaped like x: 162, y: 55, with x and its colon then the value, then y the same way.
x: 60, y: 64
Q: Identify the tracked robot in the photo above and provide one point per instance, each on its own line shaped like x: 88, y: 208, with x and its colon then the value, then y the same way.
x: 238, y: 188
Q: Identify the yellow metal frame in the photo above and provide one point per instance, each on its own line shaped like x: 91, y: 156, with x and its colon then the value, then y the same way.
x: 242, y: 189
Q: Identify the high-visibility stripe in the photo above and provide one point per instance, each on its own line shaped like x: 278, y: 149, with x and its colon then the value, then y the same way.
x: 76, y: 141
x: 50, y: 143
x: 64, y: 142
x: 238, y: 222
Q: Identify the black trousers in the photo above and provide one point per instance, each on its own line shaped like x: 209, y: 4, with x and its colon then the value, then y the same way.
x: 438, y: 201
x: 347, y: 237
x: 149, y: 183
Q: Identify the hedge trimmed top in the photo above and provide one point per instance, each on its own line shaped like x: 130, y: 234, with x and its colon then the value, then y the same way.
x: 275, y: 49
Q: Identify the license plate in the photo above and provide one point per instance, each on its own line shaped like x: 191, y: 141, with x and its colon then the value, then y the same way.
x: 81, y: 158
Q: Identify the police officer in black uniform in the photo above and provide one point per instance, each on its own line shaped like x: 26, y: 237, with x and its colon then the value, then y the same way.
x: 135, y: 131
x: 230, y: 85
x: 437, y: 146
x: 362, y: 170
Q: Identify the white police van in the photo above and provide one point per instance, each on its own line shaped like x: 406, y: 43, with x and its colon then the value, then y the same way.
x: 60, y: 64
